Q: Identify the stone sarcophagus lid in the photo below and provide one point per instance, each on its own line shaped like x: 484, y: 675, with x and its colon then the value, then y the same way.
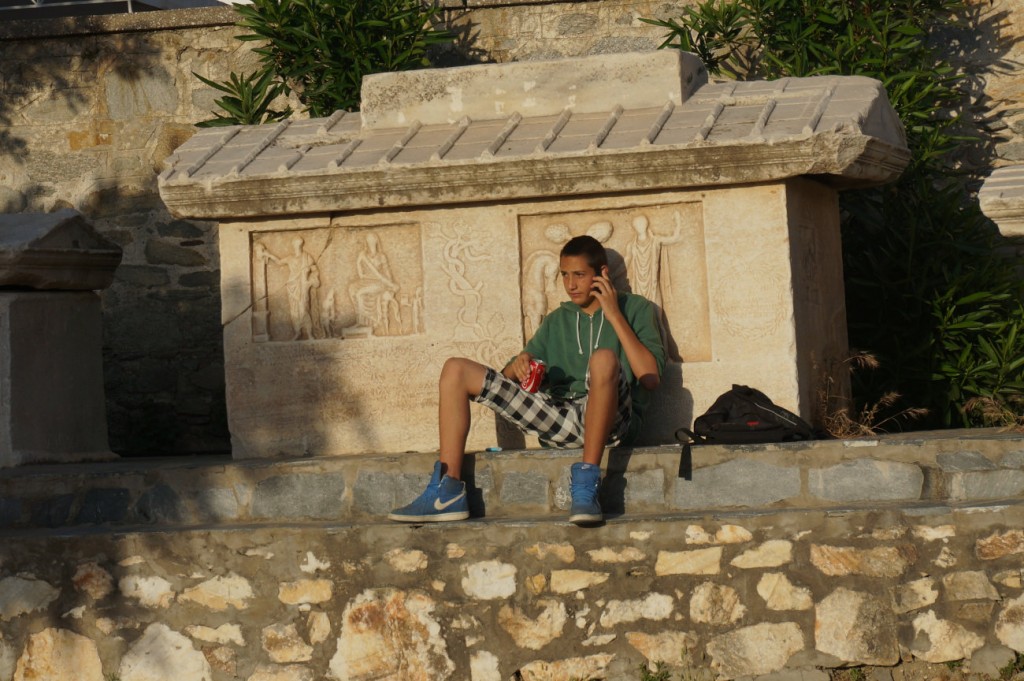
x: 360, y: 251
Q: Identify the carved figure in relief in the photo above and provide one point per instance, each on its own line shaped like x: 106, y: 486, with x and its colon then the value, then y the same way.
x: 643, y: 257
x: 329, y: 313
x: 301, y: 286
x: 603, y: 354
x: 374, y: 291
x: 539, y: 276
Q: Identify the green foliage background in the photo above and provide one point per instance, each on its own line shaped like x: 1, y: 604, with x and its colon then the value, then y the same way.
x: 929, y: 292
x: 320, y: 50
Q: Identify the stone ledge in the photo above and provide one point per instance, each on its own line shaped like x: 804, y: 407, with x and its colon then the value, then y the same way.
x: 163, y: 20
x: 913, y: 472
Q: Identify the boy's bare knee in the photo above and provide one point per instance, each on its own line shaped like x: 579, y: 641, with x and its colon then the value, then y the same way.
x: 604, y: 365
x: 463, y: 372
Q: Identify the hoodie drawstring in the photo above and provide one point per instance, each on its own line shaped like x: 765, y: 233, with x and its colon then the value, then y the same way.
x: 593, y: 341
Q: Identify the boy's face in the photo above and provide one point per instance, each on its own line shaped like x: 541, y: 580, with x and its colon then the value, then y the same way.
x: 578, y: 280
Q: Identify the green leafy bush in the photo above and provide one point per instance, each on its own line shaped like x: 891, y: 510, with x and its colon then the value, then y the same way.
x: 928, y: 292
x: 321, y: 49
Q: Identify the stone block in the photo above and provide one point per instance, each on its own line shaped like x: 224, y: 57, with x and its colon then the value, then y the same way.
x: 990, y: 484
x: 376, y: 492
x: 645, y: 487
x: 10, y: 512
x: 160, y: 504
x: 867, y: 480
x: 217, y: 504
x: 299, y: 496
x: 990, y: 660
x: 1013, y: 459
x: 103, y: 505
x: 741, y: 482
x: 53, y: 512
x: 159, y: 252
x: 955, y: 462
x: 525, y: 488
x: 537, y: 88
x: 143, y: 275
x: 52, y: 404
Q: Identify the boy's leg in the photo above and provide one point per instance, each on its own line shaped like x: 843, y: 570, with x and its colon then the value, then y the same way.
x: 602, y: 404
x: 445, y: 495
x: 461, y: 380
x: 607, y: 406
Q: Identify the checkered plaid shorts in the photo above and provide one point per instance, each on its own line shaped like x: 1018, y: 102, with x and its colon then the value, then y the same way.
x: 555, y: 422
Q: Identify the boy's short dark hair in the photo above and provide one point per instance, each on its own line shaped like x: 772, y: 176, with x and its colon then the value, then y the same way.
x: 590, y: 248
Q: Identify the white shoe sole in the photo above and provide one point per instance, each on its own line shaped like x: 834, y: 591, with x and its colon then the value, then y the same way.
x: 432, y: 518
x: 585, y: 518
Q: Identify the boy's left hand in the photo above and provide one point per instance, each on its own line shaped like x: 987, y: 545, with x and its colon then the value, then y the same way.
x: 605, y: 293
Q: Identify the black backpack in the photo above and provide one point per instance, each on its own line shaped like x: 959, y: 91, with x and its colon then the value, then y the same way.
x: 745, y: 416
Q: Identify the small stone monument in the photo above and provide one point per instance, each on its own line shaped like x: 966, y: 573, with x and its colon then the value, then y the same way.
x: 52, y: 405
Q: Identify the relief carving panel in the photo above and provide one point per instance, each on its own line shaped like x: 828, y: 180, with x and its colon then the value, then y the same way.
x: 655, y: 251
x: 337, y: 283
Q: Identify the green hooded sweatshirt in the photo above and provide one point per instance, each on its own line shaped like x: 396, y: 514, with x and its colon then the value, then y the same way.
x: 568, y: 336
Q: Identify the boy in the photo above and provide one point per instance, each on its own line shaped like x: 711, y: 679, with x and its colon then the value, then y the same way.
x: 603, y: 354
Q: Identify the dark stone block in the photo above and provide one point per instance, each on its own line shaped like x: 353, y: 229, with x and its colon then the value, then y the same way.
x: 142, y: 275
x: 103, y: 506
x: 209, y: 279
x: 10, y: 512
x: 160, y: 504
x: 181, y: 229
x: 53, y: 512
x: 162, y: 253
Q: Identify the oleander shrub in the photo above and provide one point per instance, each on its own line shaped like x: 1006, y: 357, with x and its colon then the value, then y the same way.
x: 319, y: 50
x: 929, y: 292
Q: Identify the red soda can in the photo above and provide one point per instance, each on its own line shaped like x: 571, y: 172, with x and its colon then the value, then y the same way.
x: 532, y: 382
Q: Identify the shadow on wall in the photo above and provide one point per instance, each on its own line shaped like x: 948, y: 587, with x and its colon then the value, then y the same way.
x: 88, y: 123
x: 979, y: 47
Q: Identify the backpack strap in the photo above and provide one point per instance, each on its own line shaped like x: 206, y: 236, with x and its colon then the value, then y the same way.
x: 686, y: 455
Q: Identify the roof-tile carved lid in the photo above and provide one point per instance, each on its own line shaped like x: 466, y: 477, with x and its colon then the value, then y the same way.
x: 634, y: 121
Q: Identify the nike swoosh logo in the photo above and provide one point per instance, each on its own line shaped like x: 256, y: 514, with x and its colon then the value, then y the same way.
x: 438, y: 506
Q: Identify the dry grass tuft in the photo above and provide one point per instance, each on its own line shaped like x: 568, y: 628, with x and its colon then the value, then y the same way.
x: 841, y: 420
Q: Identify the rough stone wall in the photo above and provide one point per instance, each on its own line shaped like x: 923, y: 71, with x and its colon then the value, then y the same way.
x: 90, y: 109
x: 786, y: 596
x: 774, y: 562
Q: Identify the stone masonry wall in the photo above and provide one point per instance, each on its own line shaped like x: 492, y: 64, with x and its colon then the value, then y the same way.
x: 890, y: 556
x: 90, y: 108
x: 87, y: 118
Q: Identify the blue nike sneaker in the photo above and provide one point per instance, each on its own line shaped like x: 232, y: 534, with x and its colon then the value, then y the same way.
x: 444, y: 499
x: 584, y: 479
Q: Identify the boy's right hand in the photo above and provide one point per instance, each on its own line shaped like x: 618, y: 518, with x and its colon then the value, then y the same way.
x: 519, y: 368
